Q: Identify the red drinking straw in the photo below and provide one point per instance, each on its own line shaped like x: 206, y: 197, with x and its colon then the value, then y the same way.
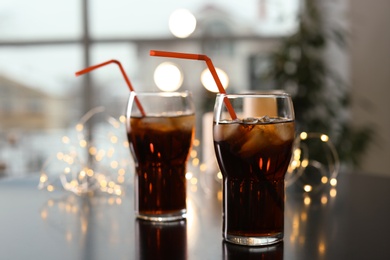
x: 210, y: 65
x: 86, y: 70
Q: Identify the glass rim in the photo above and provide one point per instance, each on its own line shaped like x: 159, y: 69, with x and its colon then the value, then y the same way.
x: 162, y: 93
x: 265, y: 93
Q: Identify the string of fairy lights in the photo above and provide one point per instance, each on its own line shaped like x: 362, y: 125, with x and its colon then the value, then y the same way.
x: 325, y: 172
x: 101, y: 164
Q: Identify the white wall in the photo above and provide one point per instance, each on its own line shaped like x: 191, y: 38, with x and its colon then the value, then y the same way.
x: 370, y: 77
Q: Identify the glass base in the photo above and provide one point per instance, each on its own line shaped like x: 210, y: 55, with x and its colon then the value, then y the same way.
x: 182, y: 214
x: 255, y: 241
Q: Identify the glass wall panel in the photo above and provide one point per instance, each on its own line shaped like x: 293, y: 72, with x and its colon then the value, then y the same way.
x: 40, y: 19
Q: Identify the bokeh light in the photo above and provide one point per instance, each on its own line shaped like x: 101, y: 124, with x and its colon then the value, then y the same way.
x: 209, y: 83
x: 168, y: 77
x: 182, y: 23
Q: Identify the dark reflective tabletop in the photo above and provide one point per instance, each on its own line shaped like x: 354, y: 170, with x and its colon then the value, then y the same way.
x: 349, y: 222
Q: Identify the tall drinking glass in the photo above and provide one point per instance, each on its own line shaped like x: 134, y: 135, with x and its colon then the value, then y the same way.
x: 253, y: 153
x: 160, y: 142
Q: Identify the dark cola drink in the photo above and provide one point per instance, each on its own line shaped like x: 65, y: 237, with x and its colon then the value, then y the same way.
x: 160, y: 147
x: 253, y: 156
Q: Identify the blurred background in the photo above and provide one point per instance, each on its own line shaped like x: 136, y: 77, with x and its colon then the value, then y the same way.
x: 332, y: 56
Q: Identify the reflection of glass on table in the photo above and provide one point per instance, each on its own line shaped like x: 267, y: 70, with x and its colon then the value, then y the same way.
x: 161, y: 240
x: 238, y: 252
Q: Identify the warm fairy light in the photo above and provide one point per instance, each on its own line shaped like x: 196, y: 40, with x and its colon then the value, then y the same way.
x: 324, y: 138
x: 333, y: 182
x: 307, y: 201
x: 333, y: 192
x: 100, y: 155
x: 73, y: 183
x: 305, y: 163
x: 301, y: 239
x: 113, y: 122
x: 303, y: 216
x: 219, y: 195
x: 203, y: 167
x: 122, y: 119
x: 194, y: 188
x: 292, y: 239
x: 118, y: 192
x: 195, y: 162
x: 43, y: 178
x: 60, y: 156
x: 324, y: 200
x: 83, y: 143
x: 103, y: 183
x: 67, y: 158
x: 193, y: 153
x: 110, y: 152
x: 126, y: 144
x: 295, y: 164
x: 208, y: 80
x: 82, y: 174
x: 111, y: 201
x: 65, y: 139
x: 194, y: 181
x: 324, y: 179
x: 67, y: 186
x: 44, y: 214
x: 182, y: 23
x: 50, y: 188
x: 79, y: 127
x: 84, y: 225
x: 120, y: 179
x: 321, y: 248
x: 196, y: 142
x: 90, y: 172
x: 219, y: 175
x: 297, y: 154
x: 303, y: 135
x: 308, y: 188
x: 295, y: 222
x: 114, y: 139
x: 295, y: 228
x: 168, y: 77
x: 92, y: 150
x: 121, y: 171
x: 189, y: 175
x: 50, y: 203
x: 114, y: 164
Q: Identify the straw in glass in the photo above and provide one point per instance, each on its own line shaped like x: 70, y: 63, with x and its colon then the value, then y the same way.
x: 86, y: 70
